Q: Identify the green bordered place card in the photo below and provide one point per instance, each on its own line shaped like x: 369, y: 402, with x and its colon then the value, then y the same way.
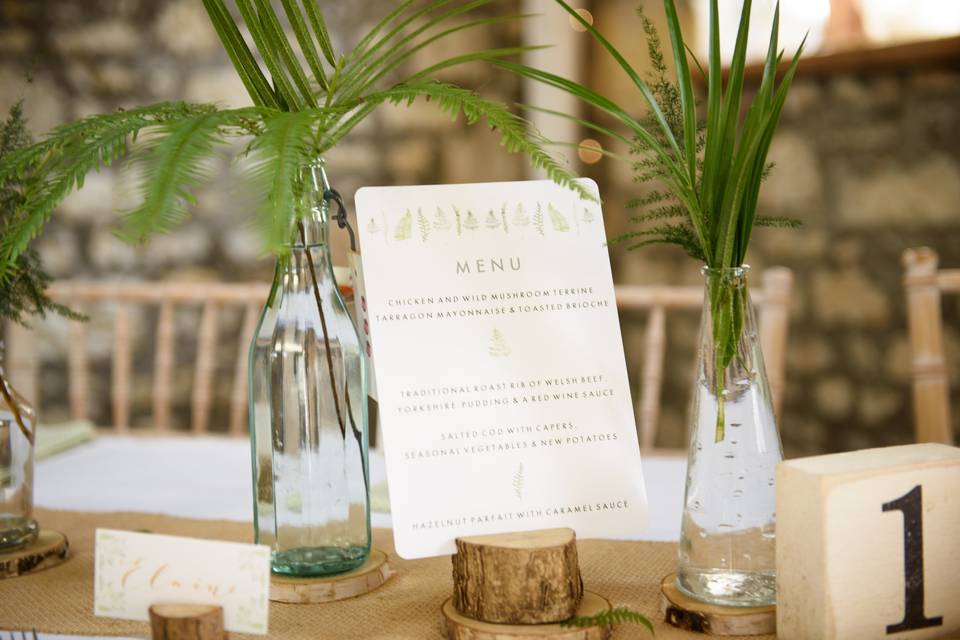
x: 136, y: 570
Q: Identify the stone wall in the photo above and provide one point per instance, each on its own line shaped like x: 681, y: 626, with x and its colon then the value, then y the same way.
x: 869, y: 161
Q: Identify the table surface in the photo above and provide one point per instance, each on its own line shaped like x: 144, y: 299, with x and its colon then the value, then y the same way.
x: 209, y: 478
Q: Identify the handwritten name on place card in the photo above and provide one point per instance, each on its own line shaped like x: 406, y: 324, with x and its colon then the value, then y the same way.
x: 136, y: 570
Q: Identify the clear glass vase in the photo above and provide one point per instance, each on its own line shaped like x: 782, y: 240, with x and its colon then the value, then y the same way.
x: 308, y: 408
x: 17, y: 420
x: 727, y: 545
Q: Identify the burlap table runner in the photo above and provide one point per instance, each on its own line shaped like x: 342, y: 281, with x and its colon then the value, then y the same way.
x: 60, y: 600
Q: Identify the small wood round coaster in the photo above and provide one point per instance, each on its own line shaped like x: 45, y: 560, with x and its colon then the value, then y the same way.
x: 174, y: 621
x: 48, y: 550
x: 682, y: 611
x: 303, y: 590
x: 456, y: 626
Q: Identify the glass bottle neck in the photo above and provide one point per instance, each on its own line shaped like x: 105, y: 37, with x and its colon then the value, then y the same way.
x: 313, y: 211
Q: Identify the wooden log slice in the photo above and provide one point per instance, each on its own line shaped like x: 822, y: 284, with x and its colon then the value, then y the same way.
x: 530, y: 577
x: 682, y: 611
x: 180, y: 621
x: 48, y: 550
x: 456, y: 626
x: 303, y: 590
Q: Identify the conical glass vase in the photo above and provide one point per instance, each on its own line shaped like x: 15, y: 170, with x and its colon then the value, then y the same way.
x: 308, y: 408
x: 727, y: 545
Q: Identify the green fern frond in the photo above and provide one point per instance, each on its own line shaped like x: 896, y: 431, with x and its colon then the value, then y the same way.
x: 174, y: 162
x: 91, y: 129
x: 653, y: 197
x: 53, y: 168
x: 781, y: 222
x: 279, y: 154
x: 610, y: 617
x: 680, y: 235
x: 665, y: 212
x: 513, y: 130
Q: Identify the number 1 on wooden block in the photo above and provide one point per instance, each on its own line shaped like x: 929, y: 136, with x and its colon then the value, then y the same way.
x: 851, y: 529
x: 911, y: 504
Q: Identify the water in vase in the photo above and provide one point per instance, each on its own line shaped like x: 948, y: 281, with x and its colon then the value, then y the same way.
x: 308, y: 415
x: 728, y: 541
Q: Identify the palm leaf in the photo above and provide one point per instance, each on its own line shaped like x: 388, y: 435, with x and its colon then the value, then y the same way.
x: 320, y: 30
x: 271, y: 56
x: 243, y: 61
x: 305, y: 40
x: 279, y: 43
x: 687, y: 102
x: 382, y: 67
x: 360, y: 75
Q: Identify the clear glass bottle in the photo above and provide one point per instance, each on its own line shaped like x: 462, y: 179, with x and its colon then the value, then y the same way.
x: 17, y: 420
x: 308, y: 408
x: 727, y: 545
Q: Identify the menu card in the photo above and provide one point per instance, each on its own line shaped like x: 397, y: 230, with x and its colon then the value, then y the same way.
x: 499, y: 364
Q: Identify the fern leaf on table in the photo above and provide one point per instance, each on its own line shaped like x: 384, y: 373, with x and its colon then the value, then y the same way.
x: 610, y: 617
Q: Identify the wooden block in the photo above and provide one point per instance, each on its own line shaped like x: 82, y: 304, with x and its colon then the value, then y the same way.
x: 48, y: 550
x: 683, y: 612
x: 531, y: 577
x: 456, y: 626
x: 364, y: 579
x: 868, y: 544
x: 176, y: 621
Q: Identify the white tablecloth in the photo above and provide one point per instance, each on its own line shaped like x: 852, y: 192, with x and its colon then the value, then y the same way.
x: 209, y: 478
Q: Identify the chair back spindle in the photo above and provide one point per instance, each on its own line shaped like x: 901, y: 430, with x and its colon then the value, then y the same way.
x: 924, y: 284
x: 123, y: 298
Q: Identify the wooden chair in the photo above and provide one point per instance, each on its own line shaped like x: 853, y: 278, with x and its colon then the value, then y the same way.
x: 924, y: 284
x: 213, y: 299
x: 772, y: 302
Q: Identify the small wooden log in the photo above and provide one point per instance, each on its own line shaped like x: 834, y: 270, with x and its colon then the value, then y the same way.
x: 48, y: 550
x: 176, y: 621
x: 456, y: 626
x: 530, y: 577
x: 364, y: 579
x: 682, y: 611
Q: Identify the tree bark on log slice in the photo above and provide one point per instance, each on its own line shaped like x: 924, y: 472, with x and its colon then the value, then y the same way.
x: 186, y: 622
x: 48, y: 550
x: 530, y: 577
x: 682, y: 611
x: 305, y: 590
x: 456, y: 626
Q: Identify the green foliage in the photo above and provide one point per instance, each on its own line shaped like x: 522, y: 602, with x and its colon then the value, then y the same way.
x: 610, y: 617
x: 708, y: 174
x: 710, y: 171
x: 306, y: 98
x: 23, y: 293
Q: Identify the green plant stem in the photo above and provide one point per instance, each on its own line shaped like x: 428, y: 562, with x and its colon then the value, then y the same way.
x: 323, y: 327
x: 15, y: 409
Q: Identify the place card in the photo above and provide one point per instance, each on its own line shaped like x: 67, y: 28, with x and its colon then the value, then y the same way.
x: 499, y: 363
x: 136, y: 570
